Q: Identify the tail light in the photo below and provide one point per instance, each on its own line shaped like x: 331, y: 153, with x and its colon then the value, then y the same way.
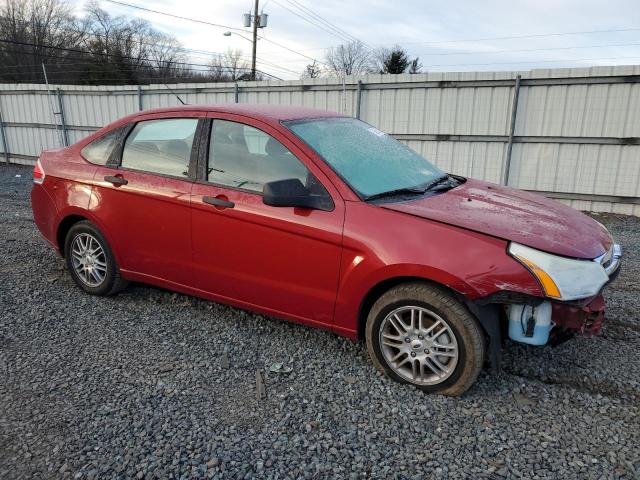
x: 38, y: 173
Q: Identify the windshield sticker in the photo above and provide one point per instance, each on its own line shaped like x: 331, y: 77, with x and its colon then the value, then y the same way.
x: 377, y: 132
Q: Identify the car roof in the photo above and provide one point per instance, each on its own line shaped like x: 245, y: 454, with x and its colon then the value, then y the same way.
x: 254, y: 110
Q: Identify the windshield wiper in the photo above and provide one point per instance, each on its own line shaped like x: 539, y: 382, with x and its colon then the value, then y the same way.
x: 438, y: 181
x: 396, y: 192
x: 436, y: 185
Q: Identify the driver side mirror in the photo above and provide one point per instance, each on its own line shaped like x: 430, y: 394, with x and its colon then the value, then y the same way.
x: 292, y: 193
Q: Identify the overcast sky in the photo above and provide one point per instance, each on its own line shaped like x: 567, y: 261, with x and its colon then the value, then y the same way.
x: 447, y: 35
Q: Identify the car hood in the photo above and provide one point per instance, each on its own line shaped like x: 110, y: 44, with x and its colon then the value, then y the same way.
x: 515, y: 215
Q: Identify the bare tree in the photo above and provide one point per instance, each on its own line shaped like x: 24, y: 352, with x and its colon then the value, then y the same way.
x: 231, y: 66
x: 36, y: 32
x: 130, y: 49
x: 350, y: 59
x: 312, y: 70
x: 97, y: 48
x: 166, y: 54
x: 217, y: 70
x: 415, y: 66
x: 237, y: 67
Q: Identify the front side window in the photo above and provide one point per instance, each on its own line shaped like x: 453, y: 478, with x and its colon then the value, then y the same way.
x: 370, y: 161
x: 161, y: 146
x: 98, y: 151
x: 244, y: 157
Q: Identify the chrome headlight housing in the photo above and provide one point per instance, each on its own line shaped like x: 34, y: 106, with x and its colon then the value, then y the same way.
x: 562, y: 278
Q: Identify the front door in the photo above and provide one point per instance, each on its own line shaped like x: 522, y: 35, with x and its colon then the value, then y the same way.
x: 281, y: 259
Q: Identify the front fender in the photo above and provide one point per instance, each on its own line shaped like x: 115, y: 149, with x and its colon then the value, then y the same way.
x: 381, y: 245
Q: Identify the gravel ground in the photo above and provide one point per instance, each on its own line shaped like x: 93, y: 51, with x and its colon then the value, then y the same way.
x: 138, y: 386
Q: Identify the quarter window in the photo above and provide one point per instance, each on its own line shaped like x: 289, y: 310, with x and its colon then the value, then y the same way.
x: 100, y: 149
x: 244, y: 157
x: 161, y: 146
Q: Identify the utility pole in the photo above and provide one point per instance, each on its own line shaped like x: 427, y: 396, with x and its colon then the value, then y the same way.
x: 256, y: 24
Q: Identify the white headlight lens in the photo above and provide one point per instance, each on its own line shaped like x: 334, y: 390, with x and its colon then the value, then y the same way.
x: 562, y: 278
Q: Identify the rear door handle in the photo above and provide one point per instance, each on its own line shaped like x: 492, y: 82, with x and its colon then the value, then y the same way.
x: 218, y: 202
x: 116, y: 180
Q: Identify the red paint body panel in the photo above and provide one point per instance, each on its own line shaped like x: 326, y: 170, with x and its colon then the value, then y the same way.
x: 45, y: 213
x: 283, y: 259
x: 516, y: 215
x: 380, y: 244
x: 309, y: 266
x: 149, y: 220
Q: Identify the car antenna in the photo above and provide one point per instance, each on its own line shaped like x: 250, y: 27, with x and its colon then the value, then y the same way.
x: 175, y: 94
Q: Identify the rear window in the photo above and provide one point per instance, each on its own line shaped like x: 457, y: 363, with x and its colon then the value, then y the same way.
x: 100, y: 149
x: 161, y: 146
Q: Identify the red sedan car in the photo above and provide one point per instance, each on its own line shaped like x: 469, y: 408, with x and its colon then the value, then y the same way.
x: 324, y: 220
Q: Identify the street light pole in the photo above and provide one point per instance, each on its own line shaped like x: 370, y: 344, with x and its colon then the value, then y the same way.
x: 256, y: 23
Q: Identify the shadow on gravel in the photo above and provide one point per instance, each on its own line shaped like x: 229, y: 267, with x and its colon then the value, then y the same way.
x: 587, y: 386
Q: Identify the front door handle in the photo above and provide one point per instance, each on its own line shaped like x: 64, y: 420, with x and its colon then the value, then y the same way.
x: 218, y: 202
x: 116, y: 180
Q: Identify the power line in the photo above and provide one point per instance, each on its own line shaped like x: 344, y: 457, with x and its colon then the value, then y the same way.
x: 112, y: 70
x: 535, y: 35
x: 529, y: 50
x: 184, y: 49
x: 304, y: 8
x: 293, y: 51
x: 101, y: 54
x: 211, y: 24
x: 338, y: 34
x: 533, y: 61
x: 173, y: 15
x: 182, y: 18
x: 511, y: 37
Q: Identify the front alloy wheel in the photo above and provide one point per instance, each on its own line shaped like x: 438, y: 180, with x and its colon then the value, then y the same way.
x: 419, y: 345
x: 419, y: 333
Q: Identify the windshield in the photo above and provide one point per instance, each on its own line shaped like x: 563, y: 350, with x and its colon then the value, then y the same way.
x: 370, y: 161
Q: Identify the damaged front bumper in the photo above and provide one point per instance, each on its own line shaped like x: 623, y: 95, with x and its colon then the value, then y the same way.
x: 586, y: 316
x: 585, y: 319
x: 531, y: 319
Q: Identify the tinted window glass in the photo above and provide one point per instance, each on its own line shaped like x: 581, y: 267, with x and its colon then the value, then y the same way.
x: 245, y: 157
x: 161, y: 146
x: 99, y: 150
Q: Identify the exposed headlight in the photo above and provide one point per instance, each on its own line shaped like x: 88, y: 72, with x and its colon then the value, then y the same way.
x: 561, y: 278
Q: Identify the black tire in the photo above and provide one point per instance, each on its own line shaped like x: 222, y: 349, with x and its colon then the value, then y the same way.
x: 468, y: 335
x: 112, y: 281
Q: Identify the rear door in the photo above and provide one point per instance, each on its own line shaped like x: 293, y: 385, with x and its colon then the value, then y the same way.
x: 285, y: 260
x: 142, y: 197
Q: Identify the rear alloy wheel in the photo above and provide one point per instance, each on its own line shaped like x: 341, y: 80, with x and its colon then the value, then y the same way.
x: 90, y: 260
x: 420, y: 334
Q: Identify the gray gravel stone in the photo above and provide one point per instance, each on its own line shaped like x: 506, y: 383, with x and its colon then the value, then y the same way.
x: 134, y: 385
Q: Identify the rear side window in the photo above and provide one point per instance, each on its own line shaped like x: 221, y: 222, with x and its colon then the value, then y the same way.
x: 244, y: 157
x: 98, y: 151
x: 161, y: 146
